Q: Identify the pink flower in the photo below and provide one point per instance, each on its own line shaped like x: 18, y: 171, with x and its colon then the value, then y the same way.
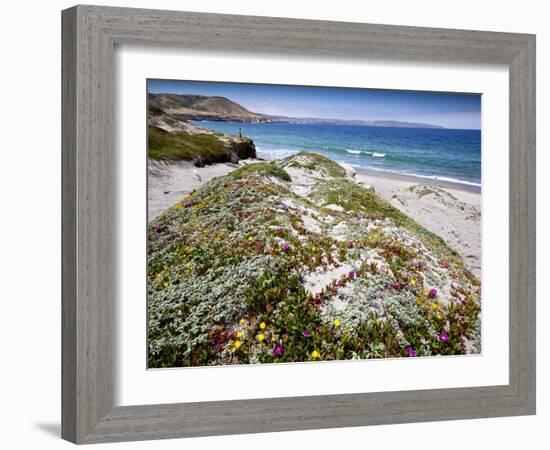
x: 432, y: 293
x: 279, y: 230
x: 352, y: 274
x: 188, y: 203
x: 411, y: 352
x: 278, y: 350
x: 305, y: 333
x: 350, y: 244
x: 286, y: 246
x: 443, y: 337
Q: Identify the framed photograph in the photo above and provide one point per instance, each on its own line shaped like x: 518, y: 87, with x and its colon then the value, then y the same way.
x: 277, y: 224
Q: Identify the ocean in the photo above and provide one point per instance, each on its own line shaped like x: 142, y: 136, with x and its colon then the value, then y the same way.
x: 429, y: 153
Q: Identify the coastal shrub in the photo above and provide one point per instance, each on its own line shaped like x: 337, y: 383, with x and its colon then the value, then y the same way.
x: 244, y: 270
x: 261, y: 169
x: 182, y: 146
x: 315, y: 161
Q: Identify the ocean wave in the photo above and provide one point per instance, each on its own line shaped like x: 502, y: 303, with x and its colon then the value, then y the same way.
x: 275, y: 153
x: 361, y: 152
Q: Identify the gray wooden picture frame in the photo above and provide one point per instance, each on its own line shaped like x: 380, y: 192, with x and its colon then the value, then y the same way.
x: 90, y: 34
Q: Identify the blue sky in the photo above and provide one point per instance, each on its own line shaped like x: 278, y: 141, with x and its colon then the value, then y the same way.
x: 449, y: 110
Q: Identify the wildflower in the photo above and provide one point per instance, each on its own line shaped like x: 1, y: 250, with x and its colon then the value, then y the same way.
x: 352, y: 274
x: 439, y: 316
x: 261, y: 337
x: 277, y: 350
x: 262, y: 325
x: 411, y: 352
x: 432, y: 293
x: 350, y: 244
x: 241, y: 321
x: 315, y: 354
x: 238, y: 344
x: 166, y: 284
x: 413, y: 282
x: 278, y: 230
x: 188, y: 203
x: 286, y: 246
x: 233, y: 349
x: 434, y: 305
x: 239, y: 334
x: 158, y: 228
x: 443, y: 337
x: 305, y: 332
x: 336, y: 322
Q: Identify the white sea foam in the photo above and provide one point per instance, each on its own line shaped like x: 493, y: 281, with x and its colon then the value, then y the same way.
x: 360, y: 152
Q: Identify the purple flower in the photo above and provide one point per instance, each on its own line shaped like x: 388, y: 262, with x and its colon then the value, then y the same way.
x: 411, y: 352
x: 158, y: 228
x: 279, y: 230
x: 432, y: 293
x: 443, y: 337
x: 188, y: 203
x: 352, y: 274
x: 305, y: 332
x: 286, y: 246
x: 278, y: 350
x: 350, y: 244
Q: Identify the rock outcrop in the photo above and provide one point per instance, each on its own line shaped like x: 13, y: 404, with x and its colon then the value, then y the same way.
x: 174, y: 139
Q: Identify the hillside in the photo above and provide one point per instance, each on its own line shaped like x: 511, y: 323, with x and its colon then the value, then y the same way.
x: 293, y: 260
x: 200, y: 107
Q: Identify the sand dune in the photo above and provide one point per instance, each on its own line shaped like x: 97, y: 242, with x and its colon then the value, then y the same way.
x: 445, y: 209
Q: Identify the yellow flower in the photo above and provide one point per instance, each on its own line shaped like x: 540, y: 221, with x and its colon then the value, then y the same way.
x: 439, y: 316
x: 413, y: 282
x: 434, y: 305
x: 250, y: 238
x: 239, y: 334
x: 262, y: 325
x: 261, y: 337
x: 237, y: 344
x: 241, y: 321
x: 233, y: 349
x: 166, y: 284
x: 315, y: 354
x: 336, y: 322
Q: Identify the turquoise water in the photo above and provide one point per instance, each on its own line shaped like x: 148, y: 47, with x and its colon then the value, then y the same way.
x: 443, y: 154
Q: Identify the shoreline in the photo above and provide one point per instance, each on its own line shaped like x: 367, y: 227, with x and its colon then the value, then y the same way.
x: 455, y: 185
x: 458, y: 185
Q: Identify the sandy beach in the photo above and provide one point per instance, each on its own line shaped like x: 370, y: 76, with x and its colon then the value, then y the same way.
x: 453, y: 212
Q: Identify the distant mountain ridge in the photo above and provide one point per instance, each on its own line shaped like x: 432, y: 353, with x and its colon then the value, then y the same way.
x: 202, y: 107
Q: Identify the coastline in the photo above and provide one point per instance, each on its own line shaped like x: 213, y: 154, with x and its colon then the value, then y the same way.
x: 398, y: 177
x: 450, y: 210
